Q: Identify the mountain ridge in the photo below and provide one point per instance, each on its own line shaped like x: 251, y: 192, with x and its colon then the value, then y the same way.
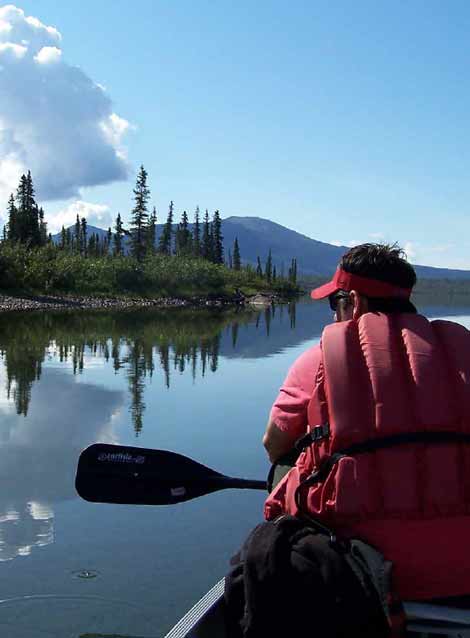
x: 257, y: 235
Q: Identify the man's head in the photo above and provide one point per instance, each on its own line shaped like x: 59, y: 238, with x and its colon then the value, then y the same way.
x: 370, y: 278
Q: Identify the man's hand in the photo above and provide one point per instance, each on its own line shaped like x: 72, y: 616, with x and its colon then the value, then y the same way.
x: 276, y: 442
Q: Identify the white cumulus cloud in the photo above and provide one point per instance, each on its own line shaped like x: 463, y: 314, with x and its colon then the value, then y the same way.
x: 54, y: 119
x: 95, y: 214
x: 47, y: 55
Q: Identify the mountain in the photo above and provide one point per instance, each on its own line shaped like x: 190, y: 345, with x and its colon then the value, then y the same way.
x: 256, y: 236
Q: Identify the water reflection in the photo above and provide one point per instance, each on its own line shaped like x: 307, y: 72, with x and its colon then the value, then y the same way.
x: 38, y: 458
x: 137, y: 343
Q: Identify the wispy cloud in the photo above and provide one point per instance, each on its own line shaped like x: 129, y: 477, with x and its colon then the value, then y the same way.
x: 54, y: 119
x: 96, y: 215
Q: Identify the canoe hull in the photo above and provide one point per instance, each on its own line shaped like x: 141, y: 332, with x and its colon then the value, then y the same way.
x: 206, y: 619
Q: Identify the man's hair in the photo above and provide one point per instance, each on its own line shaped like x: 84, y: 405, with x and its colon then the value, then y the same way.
x: 385, y: 263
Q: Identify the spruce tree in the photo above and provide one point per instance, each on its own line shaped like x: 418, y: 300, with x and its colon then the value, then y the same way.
x: 27, y: 213
x: 31, y: 215
x: 274, y: 274
x: 197, y: 234
x: 152, y: 232
x: 237, y: 263
x: 109, y: 241
x: 206, y: 248
x: 140, y: 216
x: 218, y: 246
x: 42, y: 228
x: 164, y: 244
x: 268, y: 270
x: 78, y: 243
x: 12, y: 212
x: 259, y: 270
x: 63, y: 238
x: 118, y: 236
x: 293, y: 271
x: 92, y: 245
x: 83, y: 237
x: 183, y: 236
x: 230, y: 260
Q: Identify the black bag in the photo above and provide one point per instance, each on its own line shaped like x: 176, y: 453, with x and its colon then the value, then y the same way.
x: 288, y: 578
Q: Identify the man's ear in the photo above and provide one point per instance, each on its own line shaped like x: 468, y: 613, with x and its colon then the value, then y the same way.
x: 359, y: 303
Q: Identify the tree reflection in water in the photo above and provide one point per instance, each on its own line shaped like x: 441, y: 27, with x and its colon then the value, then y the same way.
x: 137, y: 342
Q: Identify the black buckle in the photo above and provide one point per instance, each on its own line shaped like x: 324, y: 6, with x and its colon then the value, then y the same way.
x: 317, y: 433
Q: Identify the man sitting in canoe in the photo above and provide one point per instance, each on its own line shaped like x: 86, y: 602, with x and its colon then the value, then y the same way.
x: 381, y: 413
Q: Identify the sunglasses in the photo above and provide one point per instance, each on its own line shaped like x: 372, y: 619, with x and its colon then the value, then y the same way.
x: 336, y: 297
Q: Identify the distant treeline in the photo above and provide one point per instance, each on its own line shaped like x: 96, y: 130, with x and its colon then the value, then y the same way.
x: 141, y: 261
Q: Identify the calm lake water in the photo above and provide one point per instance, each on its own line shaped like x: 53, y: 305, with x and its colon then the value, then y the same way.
x: 196, y: 382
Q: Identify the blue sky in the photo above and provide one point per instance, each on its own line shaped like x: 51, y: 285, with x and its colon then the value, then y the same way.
x: 346, y: 121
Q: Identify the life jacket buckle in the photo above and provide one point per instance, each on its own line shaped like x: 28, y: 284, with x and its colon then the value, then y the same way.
x: 317, y: 433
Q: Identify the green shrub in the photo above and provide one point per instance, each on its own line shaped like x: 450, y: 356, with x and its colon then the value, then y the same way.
x: 50, y: 269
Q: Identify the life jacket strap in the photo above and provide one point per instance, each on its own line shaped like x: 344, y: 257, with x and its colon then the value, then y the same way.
x: 317, y: 433
x: 321, y: 473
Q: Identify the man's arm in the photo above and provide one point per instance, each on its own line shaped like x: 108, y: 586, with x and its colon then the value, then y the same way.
x: 276, y: 441
x: 288, y: 418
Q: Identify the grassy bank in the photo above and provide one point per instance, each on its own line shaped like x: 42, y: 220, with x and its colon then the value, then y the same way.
x: 49, y: 270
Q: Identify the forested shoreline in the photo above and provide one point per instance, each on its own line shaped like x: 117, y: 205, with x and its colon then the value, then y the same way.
x: 185, y: 261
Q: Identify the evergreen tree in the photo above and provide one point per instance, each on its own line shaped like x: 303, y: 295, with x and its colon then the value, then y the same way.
x: 274, y: 273
x: 92, y: 245
x: 197, y: 234
x: 237, y: 263
x: 12, y: 212
x: 118, y: 236
x: 83, y: 237
x: 206, y: 248
x: 42, y: 227
x: 63, y: 238
x: 293, y: 271
x: 152, y: 232
x: 27, y: 213
x: 230, y: 261
x: 259, y: 270
x: 77, y: 241
x: 164, y: 245
x: 140, y: 216
x: 183, y: 238
x: 218, y: 246
x: 68, y: 239
x: 268, y: 270
x: 109, y: 241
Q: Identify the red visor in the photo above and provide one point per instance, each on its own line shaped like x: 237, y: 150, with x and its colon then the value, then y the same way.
x: 369, y: 287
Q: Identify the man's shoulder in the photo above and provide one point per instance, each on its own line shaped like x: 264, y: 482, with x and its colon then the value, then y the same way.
x: 308, y: 362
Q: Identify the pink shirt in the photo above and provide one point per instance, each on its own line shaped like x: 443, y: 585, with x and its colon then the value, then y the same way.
x: 289, y: 411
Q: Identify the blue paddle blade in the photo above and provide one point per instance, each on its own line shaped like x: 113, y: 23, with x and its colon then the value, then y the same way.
x: 139, y: 476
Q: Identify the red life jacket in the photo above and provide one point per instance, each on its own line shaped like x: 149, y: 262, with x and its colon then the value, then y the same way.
x: 386, y: 376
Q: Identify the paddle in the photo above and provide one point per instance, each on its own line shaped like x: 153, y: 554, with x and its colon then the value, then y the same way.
x: 132, y: 475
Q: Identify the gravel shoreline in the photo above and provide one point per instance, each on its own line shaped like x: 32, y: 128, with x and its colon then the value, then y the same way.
x: 10, y: 303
